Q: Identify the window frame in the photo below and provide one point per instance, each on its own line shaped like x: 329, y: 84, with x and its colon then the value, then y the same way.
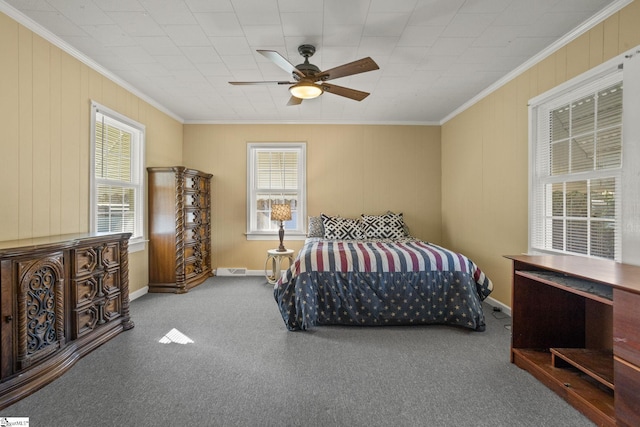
x: 138, y: 131
x: 540, y: 176
x: 292, y: 234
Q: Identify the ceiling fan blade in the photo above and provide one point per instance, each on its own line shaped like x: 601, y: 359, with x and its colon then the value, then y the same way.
x: 294, y: 101
x: 344, y: 91
x: 281, y: 62
x: 262, y: 83
x: 356, y: 67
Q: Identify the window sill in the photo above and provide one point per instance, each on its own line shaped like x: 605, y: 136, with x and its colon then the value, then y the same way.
x: 137, y: 245
x: 274, y: 236
x: 542, y: 251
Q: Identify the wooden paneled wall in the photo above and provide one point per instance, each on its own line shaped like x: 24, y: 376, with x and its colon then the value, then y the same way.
x: 485, y: 151
x: 351, y: 170
x: 45, y: 96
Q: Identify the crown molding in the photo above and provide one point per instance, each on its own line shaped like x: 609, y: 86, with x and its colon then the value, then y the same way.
x: 29, y: 23
x: 66, y: 47
x: 308, y: 122
x: 564, y: 40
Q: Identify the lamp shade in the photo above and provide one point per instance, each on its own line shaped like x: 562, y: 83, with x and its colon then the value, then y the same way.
x: 280, y: 212
x: 305, y: 90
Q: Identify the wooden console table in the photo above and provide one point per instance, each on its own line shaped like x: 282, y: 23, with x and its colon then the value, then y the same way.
x: 60, y: 298
x: 576, y: 328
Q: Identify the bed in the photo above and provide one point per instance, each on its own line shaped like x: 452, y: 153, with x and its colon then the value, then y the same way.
x: 364, y: 274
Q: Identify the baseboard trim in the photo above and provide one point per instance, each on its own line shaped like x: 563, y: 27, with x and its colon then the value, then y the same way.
x: 137, y: 294
x: 256, y: 272
x: 495, y: 303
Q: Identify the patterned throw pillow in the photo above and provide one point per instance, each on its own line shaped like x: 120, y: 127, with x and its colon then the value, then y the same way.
x: 337, y: 228
x: 315, y: 227
x: 388, y: 226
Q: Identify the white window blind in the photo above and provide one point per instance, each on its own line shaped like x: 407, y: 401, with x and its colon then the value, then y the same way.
x: 114, y: 191
x: 117, y: 178
x: 276, y: 174
x: 576, y: 181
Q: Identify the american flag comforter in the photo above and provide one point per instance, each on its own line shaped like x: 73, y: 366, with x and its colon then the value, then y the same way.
x: 381, y: 282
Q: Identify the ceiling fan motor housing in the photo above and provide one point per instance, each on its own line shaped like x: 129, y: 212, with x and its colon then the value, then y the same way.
x: 306, y: 50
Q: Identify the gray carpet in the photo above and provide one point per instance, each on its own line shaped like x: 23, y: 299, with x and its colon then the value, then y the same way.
x: 245, y: 369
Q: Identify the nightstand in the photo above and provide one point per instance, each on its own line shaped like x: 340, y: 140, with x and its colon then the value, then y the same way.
x: 275, y: 257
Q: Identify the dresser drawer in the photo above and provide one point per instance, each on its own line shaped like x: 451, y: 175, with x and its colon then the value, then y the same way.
x: 101, y: 311
x: 84, y: 291
x: 197, y: 200
x: 627, y: 381
x: 87, y: 259
x: 87, y: 289
x: 196, y: 233
x: 193, y: 251
x: 195, y: 182
x: 626, y: 328
x: 197, y: 216
x: 112, y: 307
x: 85, y: 320
x: 193, y: 268
x: 111, y: 281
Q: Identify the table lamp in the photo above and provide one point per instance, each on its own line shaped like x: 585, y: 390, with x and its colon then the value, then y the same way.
x: 281, y: 212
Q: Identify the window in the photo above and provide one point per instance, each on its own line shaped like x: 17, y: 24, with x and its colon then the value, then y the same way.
x: 576, y: 176
x: 117, y: 147
x: 276, y: 174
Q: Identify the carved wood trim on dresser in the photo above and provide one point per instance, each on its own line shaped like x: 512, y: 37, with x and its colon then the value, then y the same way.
x: 179, y: 228
x: 60, y: 297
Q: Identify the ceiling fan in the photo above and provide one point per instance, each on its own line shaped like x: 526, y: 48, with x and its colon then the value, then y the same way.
x: 307, y: 76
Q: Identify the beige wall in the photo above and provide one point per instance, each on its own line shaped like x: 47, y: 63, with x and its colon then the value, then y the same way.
x: 45, y: 111
x: 351, y: 170
x: 468, y: 192
x: 45, y: 119
x: 485, y: 151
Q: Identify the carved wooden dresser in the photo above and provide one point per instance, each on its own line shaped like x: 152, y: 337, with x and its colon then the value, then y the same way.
x: 61, y: 297
x: 179, y: 228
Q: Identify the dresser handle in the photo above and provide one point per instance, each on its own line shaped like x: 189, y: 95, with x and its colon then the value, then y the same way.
x: 8, y: 318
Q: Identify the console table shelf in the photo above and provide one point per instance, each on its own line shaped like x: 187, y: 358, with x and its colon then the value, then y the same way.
x: 595, y: 291
x: 570, y: 384
x: 576, y: 328
x: 598, y: 364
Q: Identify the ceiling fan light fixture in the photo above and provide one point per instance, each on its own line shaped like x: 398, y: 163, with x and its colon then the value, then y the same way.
x: 309, y: 82
x: 305, y: 90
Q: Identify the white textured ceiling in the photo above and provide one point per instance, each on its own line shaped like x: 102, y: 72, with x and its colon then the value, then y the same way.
x: 434, y: 55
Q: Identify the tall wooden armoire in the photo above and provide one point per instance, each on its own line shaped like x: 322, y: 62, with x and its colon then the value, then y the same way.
x: 179, y: 228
